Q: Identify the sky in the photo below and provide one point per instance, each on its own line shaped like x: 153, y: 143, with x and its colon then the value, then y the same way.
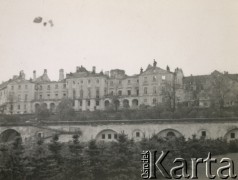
x: 199, y: 36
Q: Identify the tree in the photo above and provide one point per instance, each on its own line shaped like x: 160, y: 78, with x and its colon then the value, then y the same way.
x: 76, y: 167
x: 42, y: 111
x: 65, y: 110
x: 219, y: 89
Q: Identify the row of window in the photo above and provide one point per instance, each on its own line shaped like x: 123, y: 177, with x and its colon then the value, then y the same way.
x: 48, y: 87
x: 18, y: 107
x: 49, y: 96
x: 19, y: 87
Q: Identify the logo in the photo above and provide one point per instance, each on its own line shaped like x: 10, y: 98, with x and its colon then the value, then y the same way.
x: 150, y: 166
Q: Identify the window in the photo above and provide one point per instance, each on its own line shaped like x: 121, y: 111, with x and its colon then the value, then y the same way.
x: 56, y: 95
x: 89, y: 81
x: 40, y: 135
x: 111, y: 83
x: 25, y: 97
x: 12, y: 87
x: 120, y: 82
x: 145, y: 90
x: 103, y: 136
x: 120, y: 93
x: 56, y: 86
x: 145, y: 100
x: 137, y: 92
x: 97, y: 93
x: 97, y: 103
x: 98, y: 81
x: 129, y: 92
x: 81, y: 81
x: 145, y: 79
x: 88, y: 102
x: 154, y: 100
x: 154, y: 90
x: 48, y: 87
x: 137, y: 81
x: 80, y: 102
x: 64, y: 94
x: 129, y: 81
x: 26, y: 86
x: 137, y: 134
x: 19, y: 106
x: 81, y: 93
x: 48, y: 95
x: 115, y: 136
x: 64, y: 86
x: 73, y: 82
x: 24, y: 106
x: 19, y: 87
x: 40, y: 96
x: 163, y: 77
x: 233, y: 135
x: 204, y: 133
x: 154, y: 78
x: 19, y: 97
x: 109, y: 136
x: 40, y: 87
x: 89, y: 92
x: 112, y: 93
x: 74, y: 94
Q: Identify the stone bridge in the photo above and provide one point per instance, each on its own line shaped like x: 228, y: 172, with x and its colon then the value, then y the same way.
x: 107, y: 130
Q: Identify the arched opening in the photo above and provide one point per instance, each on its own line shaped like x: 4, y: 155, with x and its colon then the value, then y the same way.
x: 138, y: 135
x: 231, y: 135
x: 135, y: 102
x: 107, y: 135
x: 125, y: 103
x: 9, y: 135
x: 37, y: 106
x: 169, y: 134
x: 44, y: 105
x: 116, y: 104
x: 106, y: 104
x: 52, y: 107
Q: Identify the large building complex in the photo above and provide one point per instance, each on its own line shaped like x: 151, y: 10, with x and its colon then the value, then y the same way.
x: 92, y: 90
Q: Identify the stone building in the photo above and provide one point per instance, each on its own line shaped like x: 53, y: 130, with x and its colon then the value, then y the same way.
x: 91, y: 90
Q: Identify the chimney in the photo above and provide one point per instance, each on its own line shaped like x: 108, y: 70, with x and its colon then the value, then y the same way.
x: 141, y: 70
x: 77, y: 69
x: 154, y: 63
x: 22, y: 74
x: 94, y: 70
x: 61, y: 74
x: 45, y: 71
x: 34, y: 75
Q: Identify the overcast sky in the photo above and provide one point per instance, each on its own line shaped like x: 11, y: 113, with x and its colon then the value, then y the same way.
x: 198, y: 36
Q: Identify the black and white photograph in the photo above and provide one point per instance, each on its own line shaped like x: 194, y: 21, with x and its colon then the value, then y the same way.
x: 118, y: 89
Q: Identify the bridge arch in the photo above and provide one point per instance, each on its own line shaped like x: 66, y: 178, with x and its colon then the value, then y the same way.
x: 169, y: 133
x: 9, y: 135
x: 107, y: 135
x: 231, y: 134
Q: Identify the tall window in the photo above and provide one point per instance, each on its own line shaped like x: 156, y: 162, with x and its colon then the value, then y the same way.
x: 154, y: 101
x: 97, y: 93
x: 19, y: 87
x: 145, y: 79
x: 25, y: 97
x: 89, y: 92
x: 26, y: 86
x: 81, y: 93
x: 128, y: 92
x: 145, y: 90
x: 48, y: 87
x: 119, y: 92
x: 154, y: 78
x: 88, y: 102
x: 154, y: 90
